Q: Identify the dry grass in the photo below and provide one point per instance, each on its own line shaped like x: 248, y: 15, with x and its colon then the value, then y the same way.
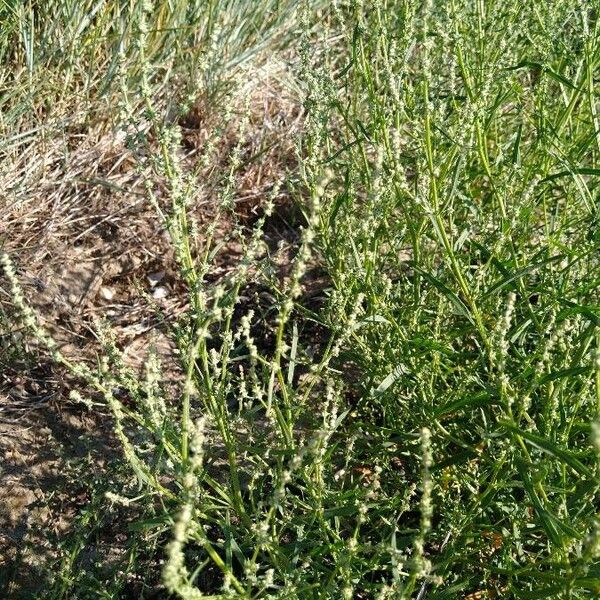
x: 90, y: 246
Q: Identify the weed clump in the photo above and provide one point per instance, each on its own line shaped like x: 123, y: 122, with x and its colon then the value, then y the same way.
x: 422, y: 420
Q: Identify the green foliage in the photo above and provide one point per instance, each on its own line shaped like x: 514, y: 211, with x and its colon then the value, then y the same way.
x: 431, y: 430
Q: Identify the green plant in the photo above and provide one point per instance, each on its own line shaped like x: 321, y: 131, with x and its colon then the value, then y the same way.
x: 425, y: 425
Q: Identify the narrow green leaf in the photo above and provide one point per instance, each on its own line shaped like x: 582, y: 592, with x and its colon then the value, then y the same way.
x: 543, y: 515
x: 562, y: 374
x: 481, y: 399
x: 577, y: 171
x: 460, y: 306
x: 551, y: 448
x: 502, y: 283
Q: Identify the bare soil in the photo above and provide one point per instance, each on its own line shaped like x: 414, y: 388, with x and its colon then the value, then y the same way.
x: 87, y: 246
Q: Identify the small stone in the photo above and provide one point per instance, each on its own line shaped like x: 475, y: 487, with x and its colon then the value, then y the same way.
x: 107, y: 293
x: 160, y: 293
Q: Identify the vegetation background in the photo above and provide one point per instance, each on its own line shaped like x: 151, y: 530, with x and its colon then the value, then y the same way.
x: 299, y: 299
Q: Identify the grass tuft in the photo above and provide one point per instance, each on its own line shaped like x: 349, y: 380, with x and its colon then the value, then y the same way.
x: 365, y: 286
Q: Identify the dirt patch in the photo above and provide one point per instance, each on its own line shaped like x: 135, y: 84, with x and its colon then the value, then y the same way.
x: 44, y: 445
x: 88, y: 245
